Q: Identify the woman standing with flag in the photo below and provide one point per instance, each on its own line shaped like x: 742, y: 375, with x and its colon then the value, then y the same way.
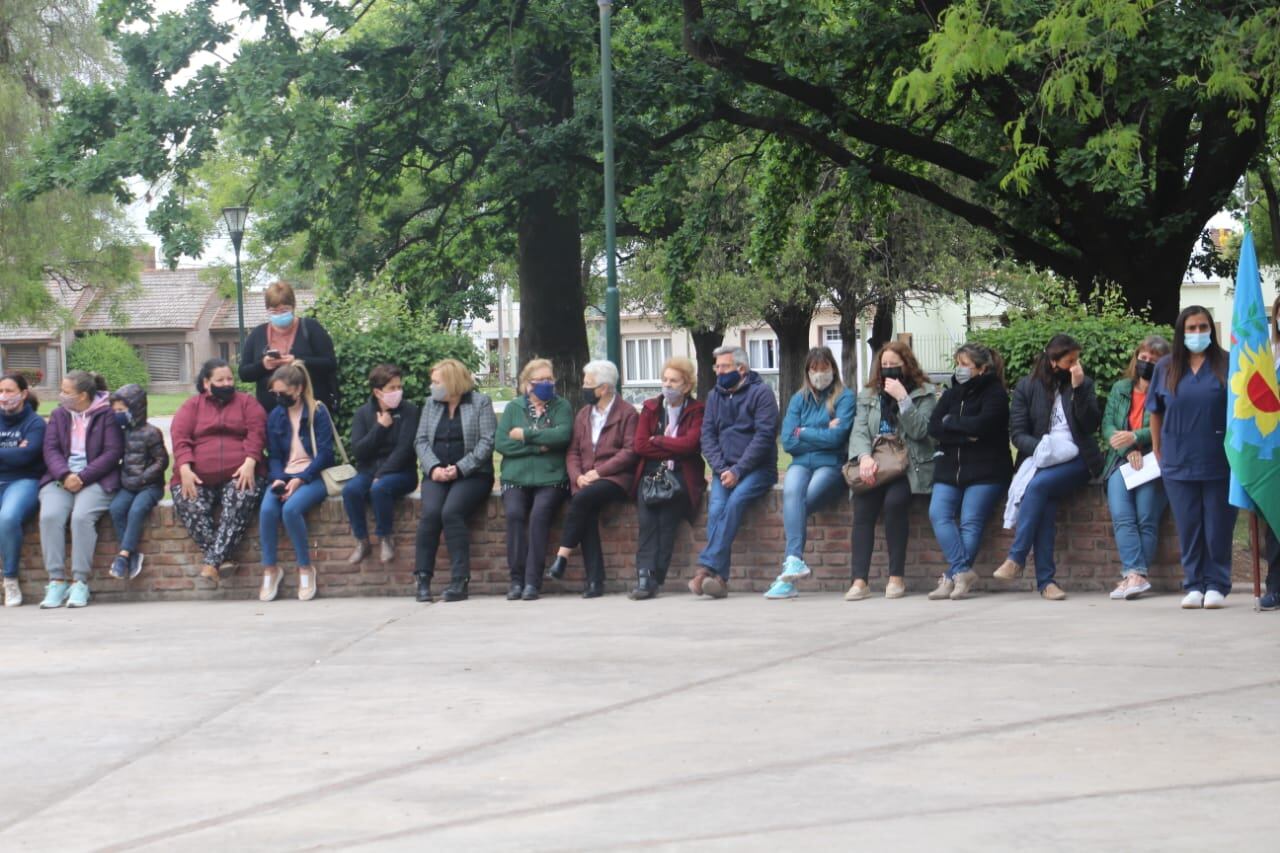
x: 1271, y: 601
x: 1188, y: 406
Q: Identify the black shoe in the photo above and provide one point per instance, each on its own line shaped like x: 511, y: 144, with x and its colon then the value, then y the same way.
x: 424, y: 587
x: 594, y: 589
x: 455, y: 591
x: 530, y: 593
x: 646, y: 586
x: 556, y: 572
x: 1270, y: 601
x: 514, y: 590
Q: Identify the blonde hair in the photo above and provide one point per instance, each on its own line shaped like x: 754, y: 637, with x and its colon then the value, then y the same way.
x: 685, y: 368
x: 296, y: 375
x: 280, y: 293
x: 534, y: 364
x: 455, y: 377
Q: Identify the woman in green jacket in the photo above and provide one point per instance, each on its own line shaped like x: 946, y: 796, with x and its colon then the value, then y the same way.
x: 1135, y: 513
x: 898, y: 401
x: 532, y: 437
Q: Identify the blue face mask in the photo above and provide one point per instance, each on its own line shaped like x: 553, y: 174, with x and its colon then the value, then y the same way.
x: 1197, y: 341
x: 282, y: 321
x: 123, y: 419
x: 729, y: 381
x: 544, y: 390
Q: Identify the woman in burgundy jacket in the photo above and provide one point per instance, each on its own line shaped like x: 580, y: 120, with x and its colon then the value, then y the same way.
x: 601, y: 460
x: 669, y: 435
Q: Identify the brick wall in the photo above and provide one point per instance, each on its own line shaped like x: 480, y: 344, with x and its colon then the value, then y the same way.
x: 1085, y: 553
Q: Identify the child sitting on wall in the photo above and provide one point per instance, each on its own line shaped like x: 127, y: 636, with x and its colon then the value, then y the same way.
x: 141, y: 477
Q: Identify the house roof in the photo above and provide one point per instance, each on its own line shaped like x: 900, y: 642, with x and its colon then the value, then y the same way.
x: 255, y: 310
x: 64, y: 296
x: 164, y: 299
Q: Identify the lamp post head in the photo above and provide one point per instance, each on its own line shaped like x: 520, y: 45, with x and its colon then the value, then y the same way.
x: 235, y: 218
x: 605, y: 5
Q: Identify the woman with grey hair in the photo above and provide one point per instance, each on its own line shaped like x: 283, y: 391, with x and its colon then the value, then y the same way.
x: 601, y: 460
x: 1135, y: 513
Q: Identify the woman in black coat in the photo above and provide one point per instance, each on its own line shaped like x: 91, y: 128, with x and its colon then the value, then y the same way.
x: 382, y: 434
x: 284, y: 339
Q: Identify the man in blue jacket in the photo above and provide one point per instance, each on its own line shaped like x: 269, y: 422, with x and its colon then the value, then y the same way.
x: 740, y: 440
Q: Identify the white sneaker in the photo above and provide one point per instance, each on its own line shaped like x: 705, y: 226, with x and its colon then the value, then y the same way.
x: 1214, y: 600
x: 1137, y: 589
x: 12, y: 592
x: 1193, y: 600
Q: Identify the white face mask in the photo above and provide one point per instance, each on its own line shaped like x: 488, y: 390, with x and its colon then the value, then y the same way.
x: 439, y: 393
x: 821, y: 379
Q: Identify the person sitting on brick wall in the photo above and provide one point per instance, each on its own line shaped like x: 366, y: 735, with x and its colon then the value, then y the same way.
x: 601, y: 461
x: 382, y: 434
x: 141, y: 478
x: 21, y: 467
x: 740, y: 441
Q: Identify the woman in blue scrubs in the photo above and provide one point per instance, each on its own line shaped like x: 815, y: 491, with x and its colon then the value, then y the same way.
x: 1188, y: 406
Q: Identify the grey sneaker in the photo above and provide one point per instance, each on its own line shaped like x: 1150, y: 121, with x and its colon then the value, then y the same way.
x: 964, y: 584
x: 12, y: 592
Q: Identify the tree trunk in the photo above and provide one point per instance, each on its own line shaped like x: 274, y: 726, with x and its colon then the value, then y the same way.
x: 705, y: 342
x: 882, y: 325
x: 851, y: 350
x: 790, y: 322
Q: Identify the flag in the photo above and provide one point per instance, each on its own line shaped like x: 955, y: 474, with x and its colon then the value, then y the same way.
x: 1253, y: 398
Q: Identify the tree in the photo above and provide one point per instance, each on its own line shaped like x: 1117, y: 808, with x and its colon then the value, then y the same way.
x: 1093, y: 139
x: 74, y: 239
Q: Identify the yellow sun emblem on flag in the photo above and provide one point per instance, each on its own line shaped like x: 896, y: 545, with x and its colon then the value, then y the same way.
x: 1254, y: 385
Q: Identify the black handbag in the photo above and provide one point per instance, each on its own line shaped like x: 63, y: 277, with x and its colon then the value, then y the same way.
x: 661, y: 485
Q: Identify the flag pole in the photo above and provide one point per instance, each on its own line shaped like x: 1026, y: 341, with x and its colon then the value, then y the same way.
x: 1257, y: 566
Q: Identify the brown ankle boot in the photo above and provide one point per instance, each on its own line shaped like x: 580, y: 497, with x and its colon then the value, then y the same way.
x: 695, y: 583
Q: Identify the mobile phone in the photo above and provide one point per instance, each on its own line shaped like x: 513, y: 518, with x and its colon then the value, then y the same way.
x: 278, y: 488
x: 272, y: 353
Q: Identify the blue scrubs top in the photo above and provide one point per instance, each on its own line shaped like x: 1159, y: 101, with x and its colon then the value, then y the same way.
x: 1195, y: 423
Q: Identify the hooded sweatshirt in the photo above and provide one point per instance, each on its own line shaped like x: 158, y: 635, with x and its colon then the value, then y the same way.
x: 740, y: 428
x: 19, y: 462
x: 96, y: 451
x: 145, y: 456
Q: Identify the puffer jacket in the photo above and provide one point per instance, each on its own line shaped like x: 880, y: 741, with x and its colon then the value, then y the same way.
x: 145, y: 456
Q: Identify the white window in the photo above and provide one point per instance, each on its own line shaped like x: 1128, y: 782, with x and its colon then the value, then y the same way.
x: 643, y: 358
x: 763, y: 354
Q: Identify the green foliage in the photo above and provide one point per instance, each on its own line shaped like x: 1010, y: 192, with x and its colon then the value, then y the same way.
x: 110, y: 356
x: 1108, y: 335
x: 375, y: 325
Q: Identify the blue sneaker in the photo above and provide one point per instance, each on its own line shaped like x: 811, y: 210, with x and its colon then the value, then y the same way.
x: 55, y: 595
x: 1270, y: 601
x: 79, y: 596
x: 119, y: 567
x: 135, y: 564
x: 794, y: 569
x: 782, y: 589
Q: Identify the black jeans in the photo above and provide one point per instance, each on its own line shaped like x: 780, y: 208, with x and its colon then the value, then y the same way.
x: 657, y: 537
x: 446, y: 506
x: 530, y: 511
x: 894, y: 499
x: 582, y: 524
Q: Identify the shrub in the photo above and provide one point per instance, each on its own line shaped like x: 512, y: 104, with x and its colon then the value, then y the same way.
x: 113, y: 357
x: 374, y: 325
x: 1107, y: 332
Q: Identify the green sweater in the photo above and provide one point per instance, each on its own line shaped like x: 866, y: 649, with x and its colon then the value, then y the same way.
x: 1116, y: 419
x: 539, y: 459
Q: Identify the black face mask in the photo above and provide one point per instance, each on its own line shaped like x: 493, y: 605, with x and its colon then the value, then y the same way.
x: 285, y: 399
x: 222, y: 393
x: 891, y: 373
x: 1062, y: 374
x: 1144, y: 369
x: 590, y: 396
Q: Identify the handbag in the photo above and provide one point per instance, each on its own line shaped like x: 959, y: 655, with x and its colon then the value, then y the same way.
x: 337, y: 476
x: 662, y: 486
x: 889, y: 452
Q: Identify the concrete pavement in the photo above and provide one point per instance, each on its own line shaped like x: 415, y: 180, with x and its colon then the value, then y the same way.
x: 1003, y: 722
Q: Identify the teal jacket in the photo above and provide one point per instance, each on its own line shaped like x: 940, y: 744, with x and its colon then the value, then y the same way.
x: 539, y: 459
x: 807, y: 433
x: 1116, y: 419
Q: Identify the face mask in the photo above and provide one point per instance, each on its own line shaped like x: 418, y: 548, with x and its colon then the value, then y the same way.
x: 729, y: 381
x: 891, y: 373
x: 439, y: 393
x: 821, y: 379
x: 1062, y: 374
x: 10, y: 403
x: 282, y: 321
x: 391, y: 399
x: 285, y: 399
x: 123, y: 419
x: 1144, y: 369
x: 963, y: 375
x: 68, y: 401
x: 544, y: 390
x: 672, y: 395
x: 222, y: 393
x: 590, y: 396
x: 1197, y: 341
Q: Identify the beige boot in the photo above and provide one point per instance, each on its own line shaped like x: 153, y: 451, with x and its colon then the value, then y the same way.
x: 895, y: 588
x: 1053, y: 592
x: 945, y: 585
x: 964, y: 584
x: 1008, y: 571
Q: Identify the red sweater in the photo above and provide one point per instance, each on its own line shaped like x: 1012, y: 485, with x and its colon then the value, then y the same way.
x: 216, y: 439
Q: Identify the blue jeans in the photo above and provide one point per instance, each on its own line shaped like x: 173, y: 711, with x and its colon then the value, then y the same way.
x: 293, y: 513
x: 805, y: 491
x: 1206, y: 524
x: 725, y: 509
x: 129, y: 511
x: 1037, y: 522
x: 1135, y: 516
x: 974, y: 504
x: 361, y: 490
x: 18, y: 502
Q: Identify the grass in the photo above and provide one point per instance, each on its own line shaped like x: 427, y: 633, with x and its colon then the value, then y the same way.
x: 158, y: 405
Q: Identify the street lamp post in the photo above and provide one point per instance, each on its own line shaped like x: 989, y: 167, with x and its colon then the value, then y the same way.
x: 235, y: 218
x: 613, y: 332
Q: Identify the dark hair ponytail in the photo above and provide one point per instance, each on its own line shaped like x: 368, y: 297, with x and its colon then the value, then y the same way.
x: 86, y: 382
x: 983, y: 357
